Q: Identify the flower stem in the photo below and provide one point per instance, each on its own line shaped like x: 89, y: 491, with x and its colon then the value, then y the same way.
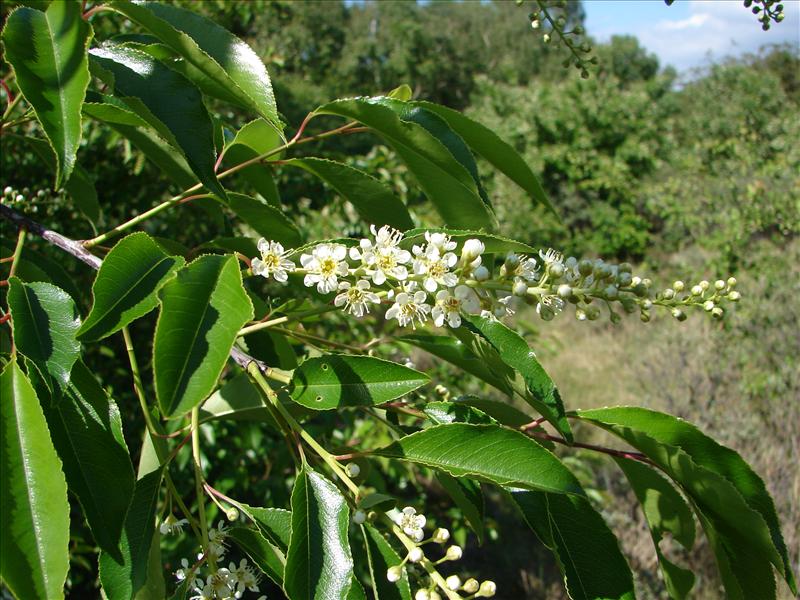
x: 198, y: 482
x: 17, y: 252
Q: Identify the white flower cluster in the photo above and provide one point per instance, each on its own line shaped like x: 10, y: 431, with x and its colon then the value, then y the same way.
x: 437, y: 282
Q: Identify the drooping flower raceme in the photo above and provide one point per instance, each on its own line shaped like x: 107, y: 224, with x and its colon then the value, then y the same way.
x: 464, y: 281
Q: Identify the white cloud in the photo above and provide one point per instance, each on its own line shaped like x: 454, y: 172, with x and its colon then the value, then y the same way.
x: 716, y: 29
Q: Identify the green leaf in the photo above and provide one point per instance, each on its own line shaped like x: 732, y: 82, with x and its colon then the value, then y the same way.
x: 442, y: 413
x: 448, y: 185
x: 202, y: 310
x: 318, y: 562
x: 79, y: 186
x: 237, y: 398
x: 587, y: 552
x: 457, y: 353
x: 122, y: 579
x: 356, y: 590
x: 438, y: 127
x: 494, y: 244
x: 126, y: 285
x: 665, y: 511
x: 44, y: 322
x: 731, y: 500
x: 500, y: 411
x: 468, y: 496
x: 268, y: 221
x: 143, y: 83
x: 34, y: 554
x: 252, y: 140
x: 488, y: 453
x: 500, y: 154
x: 212, y: 54
x: 48, y: 53
x: 36, y: 266
x: 381, y: 556
x: 86, y: 429
x: 377, y: 501
x: 275, y: 524
x: 264, y: 555
x: 338, y: 380
x: 373, y: 200
x: 514, y: 351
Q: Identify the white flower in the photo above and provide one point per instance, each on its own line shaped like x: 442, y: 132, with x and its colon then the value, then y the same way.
x: 171, y: 525
x: 273, y: 261
x: 447, y: 307
x: 441, y: 535
x: 527, y: 269
x: 470, y: 302
x: 435, y: 267
x: 471, y: 250
x: 383, y: 258
x: 407, y: 308
x: 185, y: 571
x: 551, y: 257
x: 243, y: 577
x: 411, y: 523
x: 324, y: 265
x: 219, y: 584
x: 356, y: 298
x: 506, y: 305
x: 440, y: 241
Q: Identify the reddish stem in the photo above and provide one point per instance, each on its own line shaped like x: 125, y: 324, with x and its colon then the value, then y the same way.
x: 219, y: 162
x: 610, y: 451
x: 5, y: 318
x: 533, y: 424
x: 10, y: 96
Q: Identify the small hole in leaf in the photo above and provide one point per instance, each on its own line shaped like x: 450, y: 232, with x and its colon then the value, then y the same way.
x: 318, y: 398
x: 324, y: 366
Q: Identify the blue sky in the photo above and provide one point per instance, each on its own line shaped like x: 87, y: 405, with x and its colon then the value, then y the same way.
x: 687, y: 33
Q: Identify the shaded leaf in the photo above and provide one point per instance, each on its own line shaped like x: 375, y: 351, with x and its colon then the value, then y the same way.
x: 731, y: 500
x: 442, y: 413
x: 268, y: 221
x: 318, y: 563
x: 48, y: 53
x: 488, y: 453
x: 373, y: 200
x: 514, y: 351
x: 500, y: 154
x: 34, y: 554
x: 142, y: 83
x: 44, y: 321
x: 381, y: 556
x: 126, y: 285
x: 447, y: 184
x: 666, y: 512
x: 86, y: 429
x: 122, y: 579
x: 500, y: 411
x: 255, y: 139
x: 494, y: 244
x: 202, y: 310
x: 338, y: 380
x: 274, y: 523
x: 212, y: 54
x: 587, y: 552
x: 264, y: 555
x: 468, y: 496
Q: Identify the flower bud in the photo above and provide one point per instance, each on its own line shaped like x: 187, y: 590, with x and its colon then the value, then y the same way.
x: 708, y: 305
x: 717, y: 312
x: 422, y: 595
x: 352, y: 470
x: 719, y: 284
x: 546, y: 38
x: 441, y: 535
x: 731, y: 282
x: 734, y: 296
x: 359, y: 517
x: 636, y: 281
x: 453, y: 583
x: 471, y: 586
x: 645, y: 316
x: 481, y: 273
x: 678, y: 286
x: 520, y: 288
x: 19, y: 198
x: 416, y: 554
x: 453, y: 553
x: 697, y: 290
x: 8, y: 190
x: 556, y: 269
x: 580, y: 314
x: 624, y: 279
x: 435, y: 595
x: 611, y: 292
x: 679, y: 314
x: 472, y: 249
x: 564, y: 290
x: 585, y: 267
x: 393, y: 574
x: 512, y: 261
x: 441, y: 390
x: 704, y: 285
x: 232, y: 514
x: 487, y: 589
